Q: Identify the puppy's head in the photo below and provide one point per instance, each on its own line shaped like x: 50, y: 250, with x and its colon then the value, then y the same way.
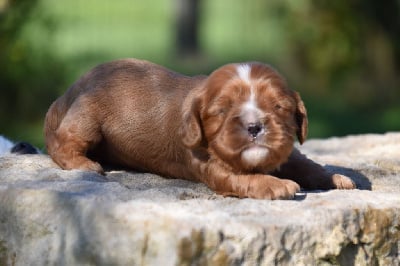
x: 246, y: 116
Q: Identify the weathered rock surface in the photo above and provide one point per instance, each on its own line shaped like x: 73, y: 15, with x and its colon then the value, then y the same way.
x: 53, y: 217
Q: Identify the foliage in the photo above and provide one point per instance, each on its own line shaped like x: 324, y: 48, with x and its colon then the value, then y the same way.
x: 29, y: 72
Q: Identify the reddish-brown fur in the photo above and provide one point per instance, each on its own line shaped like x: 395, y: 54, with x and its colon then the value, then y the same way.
x: 140, y: 115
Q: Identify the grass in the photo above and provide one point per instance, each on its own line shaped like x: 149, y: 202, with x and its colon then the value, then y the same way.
x: 90, y: 32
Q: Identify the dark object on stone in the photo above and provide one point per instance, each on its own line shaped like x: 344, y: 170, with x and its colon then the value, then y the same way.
x: 24, y: 148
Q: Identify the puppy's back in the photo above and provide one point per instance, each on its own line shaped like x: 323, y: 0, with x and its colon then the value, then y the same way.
x: 114, y: 78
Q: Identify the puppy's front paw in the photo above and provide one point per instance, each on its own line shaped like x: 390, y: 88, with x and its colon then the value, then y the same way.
x: 273, y: 188
x: 342, y: 182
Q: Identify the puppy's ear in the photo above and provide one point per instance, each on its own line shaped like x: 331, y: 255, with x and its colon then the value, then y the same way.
x: 301, y: 119
x: 191, y: 131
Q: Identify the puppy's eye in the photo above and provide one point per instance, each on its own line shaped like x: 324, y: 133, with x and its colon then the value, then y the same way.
x: 217, y: 111
x: 278, y: 107
x: 220, y: 107
x: 222, y: 111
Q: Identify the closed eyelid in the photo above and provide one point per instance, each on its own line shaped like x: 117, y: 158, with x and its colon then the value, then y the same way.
x: 286, y: 103
x: 219, y: 106
x: 222, y: 101
x: 282, y: 101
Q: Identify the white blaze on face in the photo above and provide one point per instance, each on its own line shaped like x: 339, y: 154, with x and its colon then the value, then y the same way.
x: 244, y: 72
x: 250, y: 111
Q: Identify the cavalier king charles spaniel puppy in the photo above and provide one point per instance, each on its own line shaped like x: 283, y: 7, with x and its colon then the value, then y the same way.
x: 233, y: 130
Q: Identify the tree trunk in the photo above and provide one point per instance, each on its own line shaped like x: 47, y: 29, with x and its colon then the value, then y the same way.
x: 187, y: 27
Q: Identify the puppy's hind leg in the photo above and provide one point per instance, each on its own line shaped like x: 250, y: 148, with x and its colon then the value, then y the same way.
x: 69, y: 143
x: 310, y: 175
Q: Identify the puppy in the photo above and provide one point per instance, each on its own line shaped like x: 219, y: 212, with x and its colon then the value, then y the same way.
x: 233, y: 130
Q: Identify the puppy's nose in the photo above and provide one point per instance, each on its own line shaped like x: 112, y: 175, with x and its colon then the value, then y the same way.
x: 255, y: 129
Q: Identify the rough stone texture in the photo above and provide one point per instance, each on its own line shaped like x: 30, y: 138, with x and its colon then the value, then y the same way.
x: 53, y: 217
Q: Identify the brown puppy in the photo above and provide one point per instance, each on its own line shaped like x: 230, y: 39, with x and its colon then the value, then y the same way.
x: 233, y: 130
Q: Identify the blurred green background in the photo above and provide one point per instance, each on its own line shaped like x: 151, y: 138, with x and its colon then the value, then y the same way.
x: 342, y: 56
